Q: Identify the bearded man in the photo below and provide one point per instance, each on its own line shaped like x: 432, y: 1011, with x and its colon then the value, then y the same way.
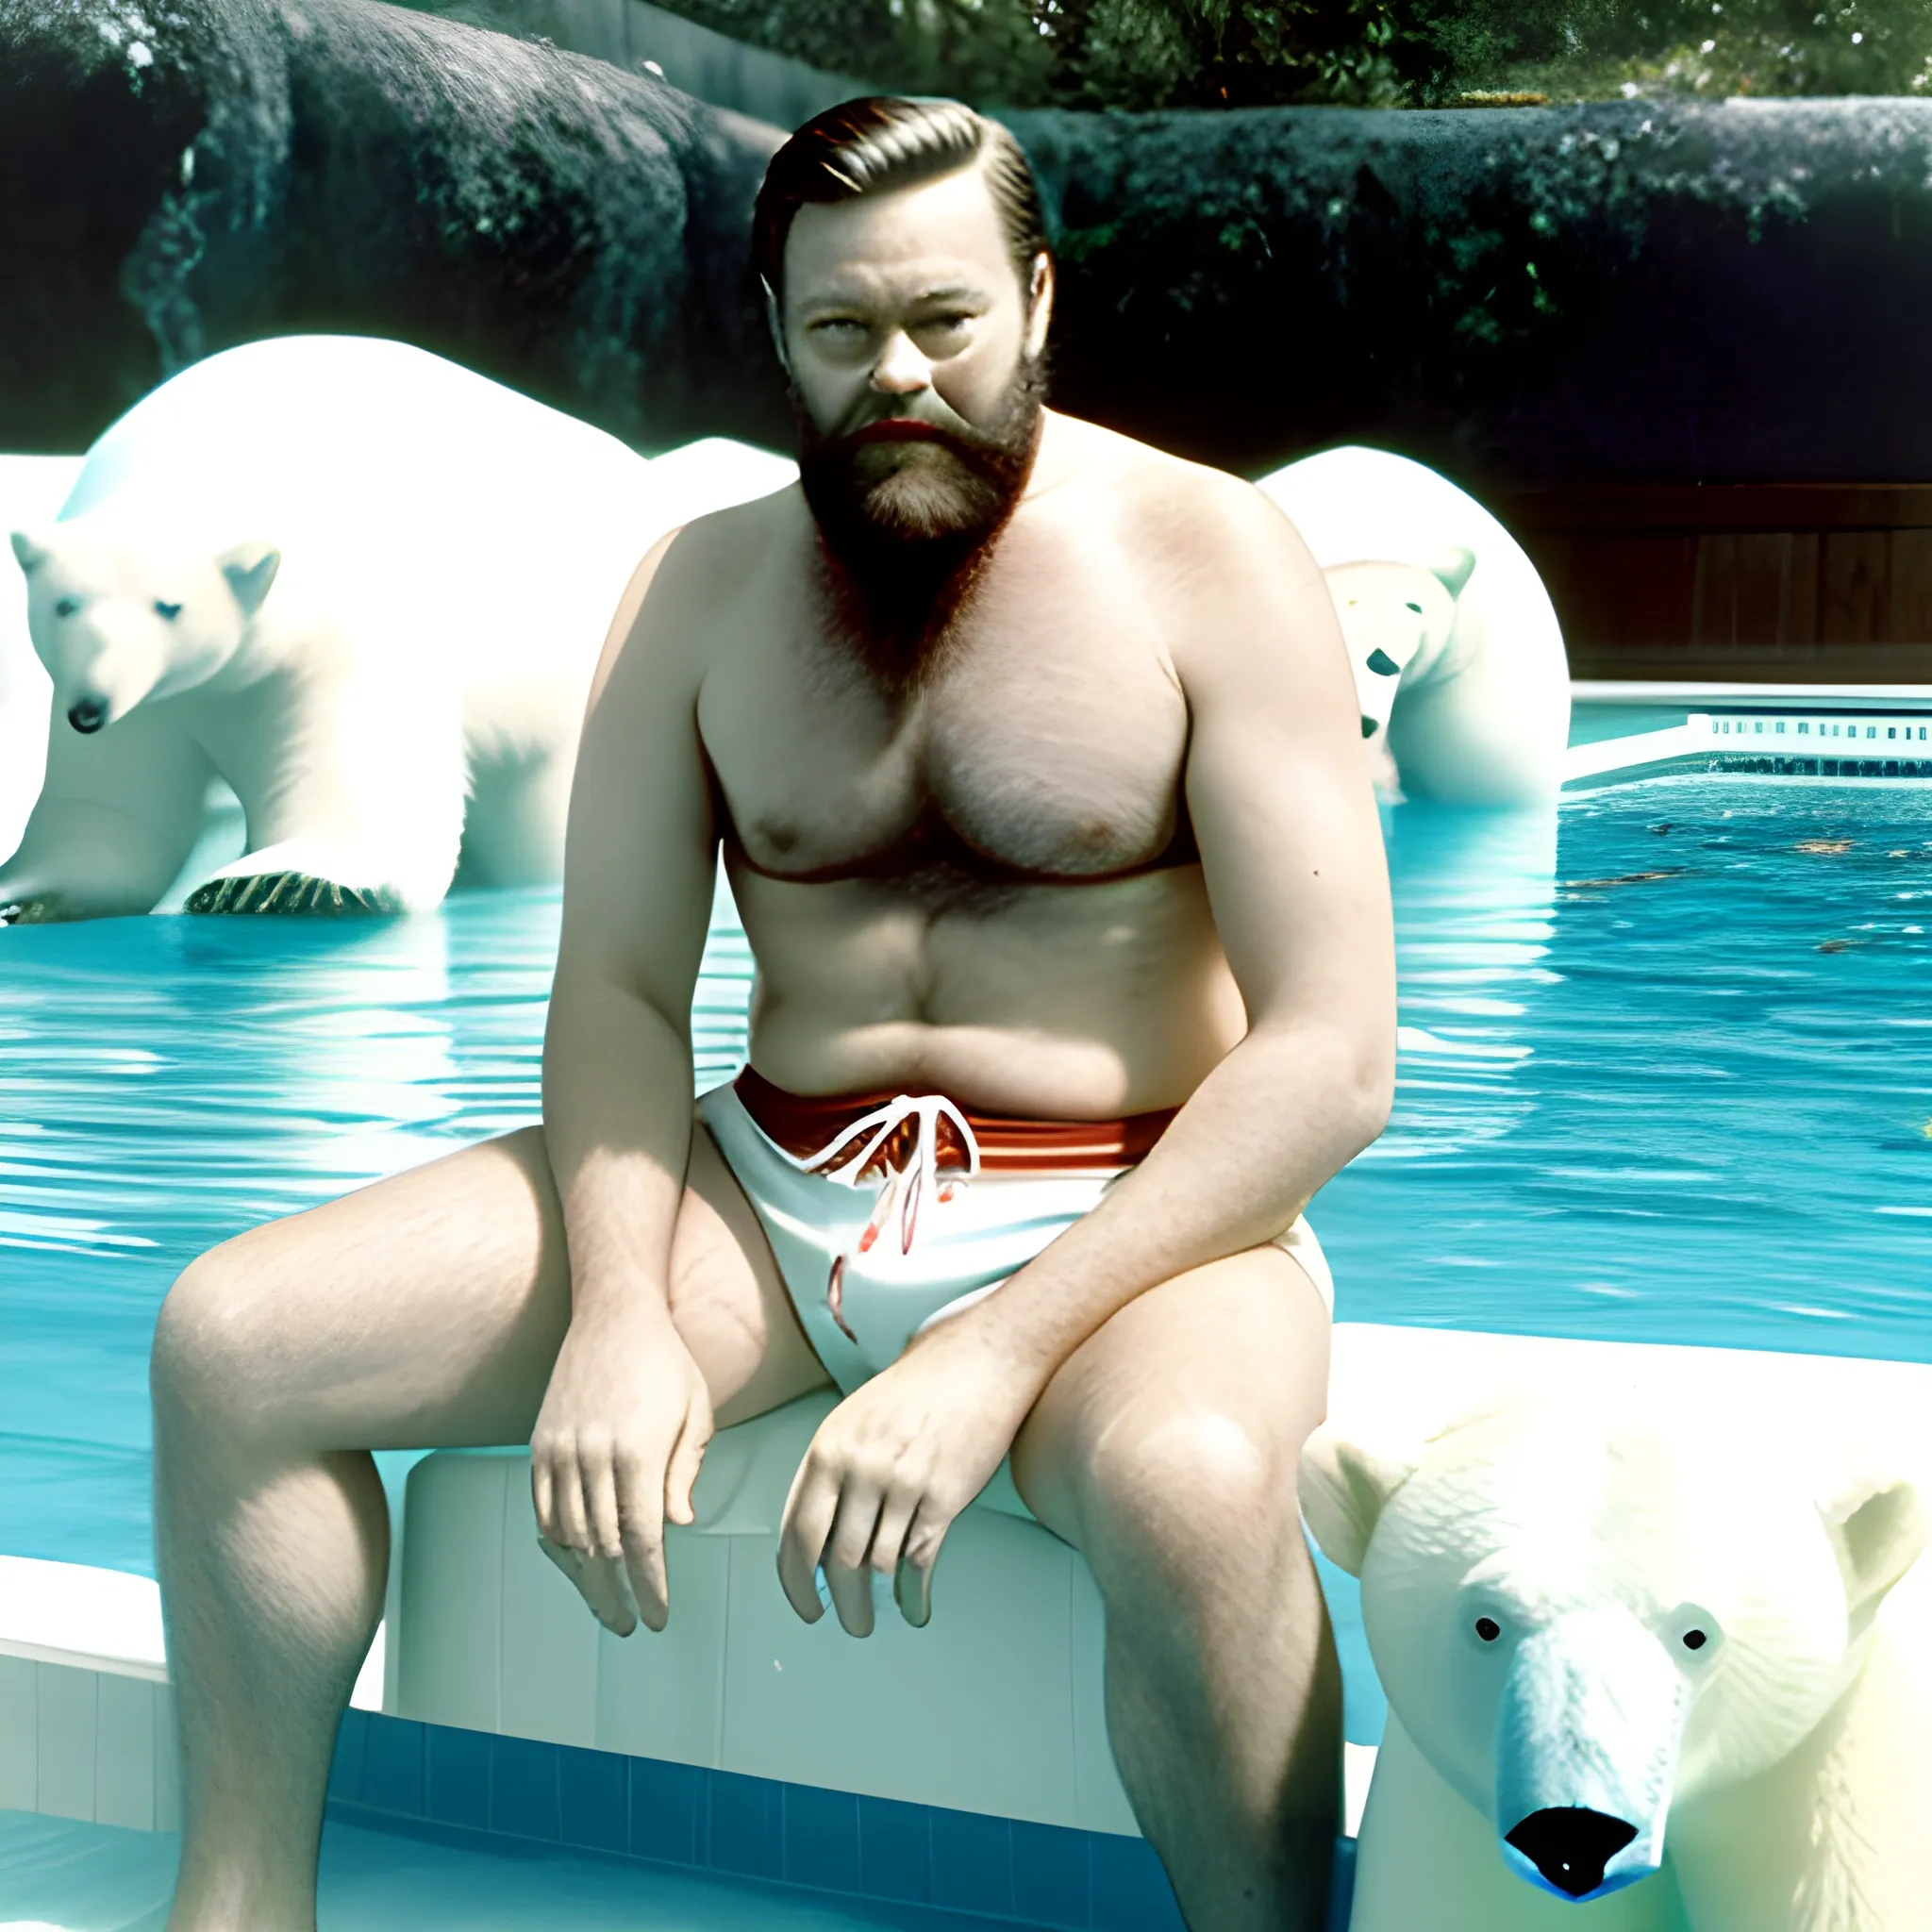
x: 1033, y: 757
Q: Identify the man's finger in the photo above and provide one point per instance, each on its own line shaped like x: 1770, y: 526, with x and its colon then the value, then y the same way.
x: 569, y: 1526
x: 888, y: 1539
x: 592, y: 1580
x: 808, y: 1521
x: 686, y: 1460
x: 542, y: 1496
x: 600, y: 1507
x: 848, y: 1575
x: 912, y: 1586
x: 600, y: 1587
x: 640, y: 1519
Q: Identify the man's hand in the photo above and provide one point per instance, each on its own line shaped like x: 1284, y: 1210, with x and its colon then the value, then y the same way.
x: 616, y: 1449
x: 894, y: 1464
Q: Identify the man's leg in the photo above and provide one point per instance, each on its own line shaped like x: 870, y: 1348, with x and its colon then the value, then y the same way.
x: 1166, y: 1449
x: 424, y: 1312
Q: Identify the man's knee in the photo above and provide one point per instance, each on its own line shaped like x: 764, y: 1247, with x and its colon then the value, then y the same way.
x: 1179, y: 1494
x: 209, y: 1351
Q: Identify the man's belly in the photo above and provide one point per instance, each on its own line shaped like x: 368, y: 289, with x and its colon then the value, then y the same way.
x: 1052, y: 1002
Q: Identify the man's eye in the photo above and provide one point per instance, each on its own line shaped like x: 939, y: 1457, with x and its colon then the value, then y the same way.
x: 66, y: 607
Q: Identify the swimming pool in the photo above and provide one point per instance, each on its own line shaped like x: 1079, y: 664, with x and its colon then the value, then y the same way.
x: 1665, y: 1075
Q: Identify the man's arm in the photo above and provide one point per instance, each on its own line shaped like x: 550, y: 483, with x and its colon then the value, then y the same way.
x: 627, y: 1417
x: 1292, y: 848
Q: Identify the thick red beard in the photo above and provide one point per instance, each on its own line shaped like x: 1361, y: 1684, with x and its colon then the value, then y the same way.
x: 904, y: 543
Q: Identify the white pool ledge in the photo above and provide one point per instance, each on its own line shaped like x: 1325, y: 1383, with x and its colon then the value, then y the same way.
x: 87, y: 1714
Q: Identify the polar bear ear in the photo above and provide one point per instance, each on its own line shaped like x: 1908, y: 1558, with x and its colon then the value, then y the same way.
x: 29, y: 554
x: 1344, y: 1487
x: 1879, y: 1528
x: 1454, y: 567
x: 249, y: 569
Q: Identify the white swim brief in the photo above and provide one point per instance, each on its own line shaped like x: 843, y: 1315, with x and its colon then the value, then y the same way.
x: 887, y: 1214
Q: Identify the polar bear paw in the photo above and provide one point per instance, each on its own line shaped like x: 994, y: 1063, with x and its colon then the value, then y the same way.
x: 35, y: 912
x: 292, y: 891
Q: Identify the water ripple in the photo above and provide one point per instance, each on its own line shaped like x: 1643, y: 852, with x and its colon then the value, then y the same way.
x: 1695, y: 1106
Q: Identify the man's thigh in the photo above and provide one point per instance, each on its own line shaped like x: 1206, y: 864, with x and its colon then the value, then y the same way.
x: 426, y: 1310
x: 1197, y: 1394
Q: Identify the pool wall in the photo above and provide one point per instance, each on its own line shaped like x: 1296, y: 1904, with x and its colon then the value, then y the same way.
x: 98, y: 1745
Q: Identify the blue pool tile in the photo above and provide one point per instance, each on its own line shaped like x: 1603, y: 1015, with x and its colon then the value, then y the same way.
x: 392, y: 1766
x: 972, y: 1862
x: 457, y: 1774
x: 590, y: 1797
x: 895, y: 1850
x: 821, y: 1838
x: 522, y: 1787
x: 746, y: 1827
x: 666, y: 1809
x: 1130, y: 1889
x: 1341, y: 1891
x: 1051, y: 1883
x: 345, y: 1767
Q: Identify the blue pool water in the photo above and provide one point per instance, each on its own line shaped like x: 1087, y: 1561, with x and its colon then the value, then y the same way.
x: 1695, y: 1106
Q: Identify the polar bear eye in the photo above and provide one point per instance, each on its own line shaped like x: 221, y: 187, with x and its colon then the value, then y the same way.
x: 1487, y: 1629
x: 171, y: 611
x: 1695, y: 1629
x: 1416, y: 607
x: 66, y: 607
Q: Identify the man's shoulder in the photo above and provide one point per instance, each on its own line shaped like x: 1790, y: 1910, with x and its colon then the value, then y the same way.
x: 712, y: 565
x: 1167, y: 497
x: 723, y: 545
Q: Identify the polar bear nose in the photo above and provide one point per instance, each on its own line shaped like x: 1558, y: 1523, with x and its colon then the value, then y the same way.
x: 89, y: 715
x: 1571, y: 1845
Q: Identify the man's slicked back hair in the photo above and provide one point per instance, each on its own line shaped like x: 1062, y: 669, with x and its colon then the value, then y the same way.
x: 883, y: 141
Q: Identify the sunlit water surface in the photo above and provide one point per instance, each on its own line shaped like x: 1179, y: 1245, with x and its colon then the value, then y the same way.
x: 1665, y: 1075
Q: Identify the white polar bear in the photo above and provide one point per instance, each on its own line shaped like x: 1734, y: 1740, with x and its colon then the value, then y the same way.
x: 1459, y: 660
x: 364, y: 586
x: 1641, y: 1645
x: 32, y: 489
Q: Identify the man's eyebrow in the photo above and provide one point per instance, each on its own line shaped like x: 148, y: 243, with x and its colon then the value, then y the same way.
x: 851, y: 298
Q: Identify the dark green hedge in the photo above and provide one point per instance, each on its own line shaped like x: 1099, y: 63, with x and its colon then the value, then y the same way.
x: 1147, y: 53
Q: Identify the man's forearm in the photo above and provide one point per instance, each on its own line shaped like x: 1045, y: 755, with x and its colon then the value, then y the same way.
x: 1272, y: 1122
x: 617, y: 1122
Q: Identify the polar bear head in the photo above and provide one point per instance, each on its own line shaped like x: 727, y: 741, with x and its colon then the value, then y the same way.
x: 118, y: 621
x: 1395, y: 619
x: 1585, y: 1613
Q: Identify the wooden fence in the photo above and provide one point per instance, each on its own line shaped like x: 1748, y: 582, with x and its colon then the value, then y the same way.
x: 1760, y: 582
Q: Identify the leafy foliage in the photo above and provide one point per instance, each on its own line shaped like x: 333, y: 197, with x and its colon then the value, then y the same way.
x: 1144, y: 54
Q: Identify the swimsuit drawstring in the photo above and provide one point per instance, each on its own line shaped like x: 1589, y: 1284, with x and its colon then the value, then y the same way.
x: 842, y: 1160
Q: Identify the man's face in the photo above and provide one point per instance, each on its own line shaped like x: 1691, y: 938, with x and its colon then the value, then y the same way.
x: 914, y: 354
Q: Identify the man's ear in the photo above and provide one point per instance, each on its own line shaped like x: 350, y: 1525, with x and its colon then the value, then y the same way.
x: 1039, y: 304
x: 774, y: 321
x: 1344, y: 1487
x: 29, y: 554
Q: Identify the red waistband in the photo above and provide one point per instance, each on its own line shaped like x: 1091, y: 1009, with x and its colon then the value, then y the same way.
x: 805, y: 1123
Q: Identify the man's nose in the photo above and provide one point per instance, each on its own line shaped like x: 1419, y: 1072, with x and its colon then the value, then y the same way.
x: 901, y: 369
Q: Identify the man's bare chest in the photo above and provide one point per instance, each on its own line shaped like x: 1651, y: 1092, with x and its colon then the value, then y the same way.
x: 1047, y: 741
